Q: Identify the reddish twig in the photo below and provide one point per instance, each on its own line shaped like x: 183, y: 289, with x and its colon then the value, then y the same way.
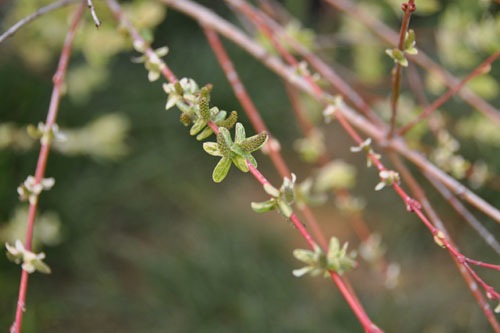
x: 208, y: 18
x: 408, y: 8
x: 481, y: 69
x: 41, y: 166
x: 469, y: 278
x: 487, y: 236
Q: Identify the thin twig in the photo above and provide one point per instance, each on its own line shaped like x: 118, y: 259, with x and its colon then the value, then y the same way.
x: 44, y: 10
x: 488, y: 237
x: 93, y: 13
x: 58, y: 79
x: 481, y: 69
x: 469, y: 278
x: 408, y: 9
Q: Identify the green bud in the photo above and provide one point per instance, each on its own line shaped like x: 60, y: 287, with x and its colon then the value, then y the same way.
x: 230, y: 121
x: 254, y: 143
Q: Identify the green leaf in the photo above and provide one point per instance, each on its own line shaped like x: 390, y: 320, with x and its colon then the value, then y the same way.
x: 41, y: 266
x: 250, y: 159
x: 239, y: 133
x: 271, y: 190
x: 221, y: 170
x: 198, y: 125
x: 264, y: 207
x: 240, y: 162
x: 212, y: 148
x: 207, y: 131
x: 285, y: 208
x: 254, y: 142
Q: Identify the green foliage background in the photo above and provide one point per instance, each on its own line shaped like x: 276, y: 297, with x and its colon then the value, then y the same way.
x: 150, y: 244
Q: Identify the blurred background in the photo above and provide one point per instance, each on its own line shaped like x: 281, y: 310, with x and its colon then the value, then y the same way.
x: 139, y: 237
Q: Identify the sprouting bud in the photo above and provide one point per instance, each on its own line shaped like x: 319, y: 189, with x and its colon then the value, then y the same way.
x: 387, y: 178
x: 439, y: 238
x: 398, y: 56
x: 204, y: 108
x: 230, y: 121
x: 30, y: 261
x: 223, y: 143
x: 30, y: 190
x: 254, y: 143
x: 178, y: 88
x: 185, y: 119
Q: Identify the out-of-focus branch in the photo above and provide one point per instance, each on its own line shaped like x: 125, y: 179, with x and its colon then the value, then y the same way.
x: 44, y: 10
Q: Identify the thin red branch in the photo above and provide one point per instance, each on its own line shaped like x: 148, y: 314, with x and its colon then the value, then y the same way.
x: 408, y: 9
x: 41, y: 166
x: 481, y: 69
x: 459, y: 260
x: 487, y: 236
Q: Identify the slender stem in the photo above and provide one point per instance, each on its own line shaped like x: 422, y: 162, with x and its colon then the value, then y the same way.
x: 41, y: 166
x: 487, y: 236
x: 481, y: 69
x: 44, y: 10
x: 97, y: 22
x: 408, y: 8
x: 466, y: 274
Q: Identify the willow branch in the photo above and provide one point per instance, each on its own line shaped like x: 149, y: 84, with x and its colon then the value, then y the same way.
x: 408, y: 9
x: 41, y: 166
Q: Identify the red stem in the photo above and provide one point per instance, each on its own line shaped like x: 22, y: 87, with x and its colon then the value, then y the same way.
x: 41, y: 166
x: 450, y: 93
x: 408, y: 8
